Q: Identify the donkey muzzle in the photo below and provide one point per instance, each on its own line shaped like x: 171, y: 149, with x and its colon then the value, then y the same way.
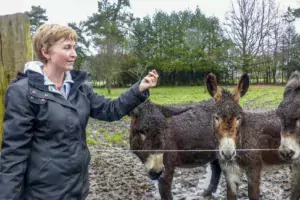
x: 286, y: 153
x: 154, y: 175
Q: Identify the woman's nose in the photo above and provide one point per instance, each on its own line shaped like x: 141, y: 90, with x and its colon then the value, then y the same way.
x: 73, y: 53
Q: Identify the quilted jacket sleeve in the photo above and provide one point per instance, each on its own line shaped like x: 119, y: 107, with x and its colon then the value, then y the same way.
x: 110, y: 110
x: 16, y: 144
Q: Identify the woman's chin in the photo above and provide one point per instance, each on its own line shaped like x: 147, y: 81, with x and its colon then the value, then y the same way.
x: 69, y: 67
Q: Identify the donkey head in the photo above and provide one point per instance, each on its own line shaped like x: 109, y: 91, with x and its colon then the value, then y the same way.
x: 228, y: 114
x: 289, y: 114
x: 149, y: 125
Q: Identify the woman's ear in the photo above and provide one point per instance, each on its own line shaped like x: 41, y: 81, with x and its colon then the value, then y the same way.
x: 46, y: 53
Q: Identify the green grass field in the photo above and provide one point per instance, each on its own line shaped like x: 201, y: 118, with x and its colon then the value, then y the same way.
x: 256, y: 97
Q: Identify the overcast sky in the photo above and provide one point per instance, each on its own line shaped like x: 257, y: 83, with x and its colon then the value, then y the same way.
x: 65, y: 11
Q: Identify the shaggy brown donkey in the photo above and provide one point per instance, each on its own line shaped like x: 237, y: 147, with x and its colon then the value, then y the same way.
x: 234, y: 129
x: 156, y: 127
x: 289, y: 113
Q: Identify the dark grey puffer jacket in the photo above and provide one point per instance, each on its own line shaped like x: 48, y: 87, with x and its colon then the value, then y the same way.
x: 44, y: 151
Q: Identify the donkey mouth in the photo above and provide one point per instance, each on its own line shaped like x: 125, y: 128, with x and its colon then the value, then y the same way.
x: 288, y: 156
x: 155, y: 175
x: 227, y: 155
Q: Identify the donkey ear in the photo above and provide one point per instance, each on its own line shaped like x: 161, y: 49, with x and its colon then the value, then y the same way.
x: 242, y: 88
x: 212, y: 87
x: 134, y: 113
x: 293, y: 83
x: 169, y: 111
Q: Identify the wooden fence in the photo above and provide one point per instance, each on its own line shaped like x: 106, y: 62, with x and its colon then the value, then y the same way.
x: 15, y: 51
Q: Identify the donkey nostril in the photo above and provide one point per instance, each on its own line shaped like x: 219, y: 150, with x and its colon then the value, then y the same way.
x: 227, y: 156
x: 291, y: 153
x: 282, y: 154
x: 233, y: 154
x: 288, y: 154
x: 223, y: 154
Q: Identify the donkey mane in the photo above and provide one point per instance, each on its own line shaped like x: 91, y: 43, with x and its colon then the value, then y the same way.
x: 226, y: 94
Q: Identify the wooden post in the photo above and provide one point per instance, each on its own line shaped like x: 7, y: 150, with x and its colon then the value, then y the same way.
x: 15, y: 51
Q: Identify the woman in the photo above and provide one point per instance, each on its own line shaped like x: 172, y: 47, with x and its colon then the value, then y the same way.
x: 44, y: 151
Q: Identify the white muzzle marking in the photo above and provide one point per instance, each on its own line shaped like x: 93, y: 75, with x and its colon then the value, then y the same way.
x: 290, y: 144
x: 154, y: 162
x: 227, y: 148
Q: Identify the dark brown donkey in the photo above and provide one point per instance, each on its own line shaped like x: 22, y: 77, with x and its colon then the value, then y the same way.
x: 289, y: 113
x: 238, y: 129
x: 156, y: 127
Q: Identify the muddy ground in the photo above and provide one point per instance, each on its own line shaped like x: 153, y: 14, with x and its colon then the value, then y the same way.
x: 117, y: 174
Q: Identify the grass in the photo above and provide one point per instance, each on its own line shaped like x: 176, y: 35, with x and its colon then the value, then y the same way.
x: 114, y: 138
x: 256, y: 97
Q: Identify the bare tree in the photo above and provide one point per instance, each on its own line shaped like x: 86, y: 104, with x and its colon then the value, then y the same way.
x: 248, y: 23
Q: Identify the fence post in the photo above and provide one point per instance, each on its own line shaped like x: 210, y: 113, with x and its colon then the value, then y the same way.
x: 15, y: 51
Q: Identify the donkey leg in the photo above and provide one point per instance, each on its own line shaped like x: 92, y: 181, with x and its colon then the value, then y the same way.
x: 295, y: 189
x: 232, y: 180
x: 165, y: 181
x: 253, y: 176
x: 215, y: 178
x: 232, y: 187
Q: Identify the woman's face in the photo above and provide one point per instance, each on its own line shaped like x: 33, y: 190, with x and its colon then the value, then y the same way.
x: 62, y: 54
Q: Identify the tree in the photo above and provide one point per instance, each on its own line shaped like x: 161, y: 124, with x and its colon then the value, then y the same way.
x: 37, y: 16
x: 292, y: 14
x: 108, y: 29
x: 83, y: 44
x: 247, y: 24
x: 183, y: 46
x: 141, y: 48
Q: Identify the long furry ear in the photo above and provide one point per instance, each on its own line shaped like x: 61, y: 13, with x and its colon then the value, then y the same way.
x: 212, y: 87
x: 293, y: 83
x: 134, y: 113
x: 242, y: 88
x: 169, y: 111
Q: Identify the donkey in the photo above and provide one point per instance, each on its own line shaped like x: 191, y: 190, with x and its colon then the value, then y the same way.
x: 289, y: 113
x: 156, y: 127
x: 238, y: 129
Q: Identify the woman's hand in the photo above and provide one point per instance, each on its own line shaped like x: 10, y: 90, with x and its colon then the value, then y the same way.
x: 149, y: 81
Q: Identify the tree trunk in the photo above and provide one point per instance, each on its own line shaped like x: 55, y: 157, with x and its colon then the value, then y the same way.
x: 15, y: 51
x: 108, y: 85
x: 274, y: 76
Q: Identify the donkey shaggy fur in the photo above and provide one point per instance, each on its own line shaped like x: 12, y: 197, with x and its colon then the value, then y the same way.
x: 156, y: 127
x: 234, y: 129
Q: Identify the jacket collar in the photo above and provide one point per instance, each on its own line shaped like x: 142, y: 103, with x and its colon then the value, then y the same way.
x: 36, y: 79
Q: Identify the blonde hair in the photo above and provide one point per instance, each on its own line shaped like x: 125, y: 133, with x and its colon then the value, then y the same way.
x: 47, y: 34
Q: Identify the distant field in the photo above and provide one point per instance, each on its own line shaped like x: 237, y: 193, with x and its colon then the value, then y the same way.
x: 258, y: 96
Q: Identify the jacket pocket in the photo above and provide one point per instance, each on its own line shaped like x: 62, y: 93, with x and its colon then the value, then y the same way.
x: 49, y: 175
x: 35, y: 172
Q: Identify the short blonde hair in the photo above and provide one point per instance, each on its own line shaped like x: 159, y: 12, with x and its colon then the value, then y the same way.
x: 47, y: 34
